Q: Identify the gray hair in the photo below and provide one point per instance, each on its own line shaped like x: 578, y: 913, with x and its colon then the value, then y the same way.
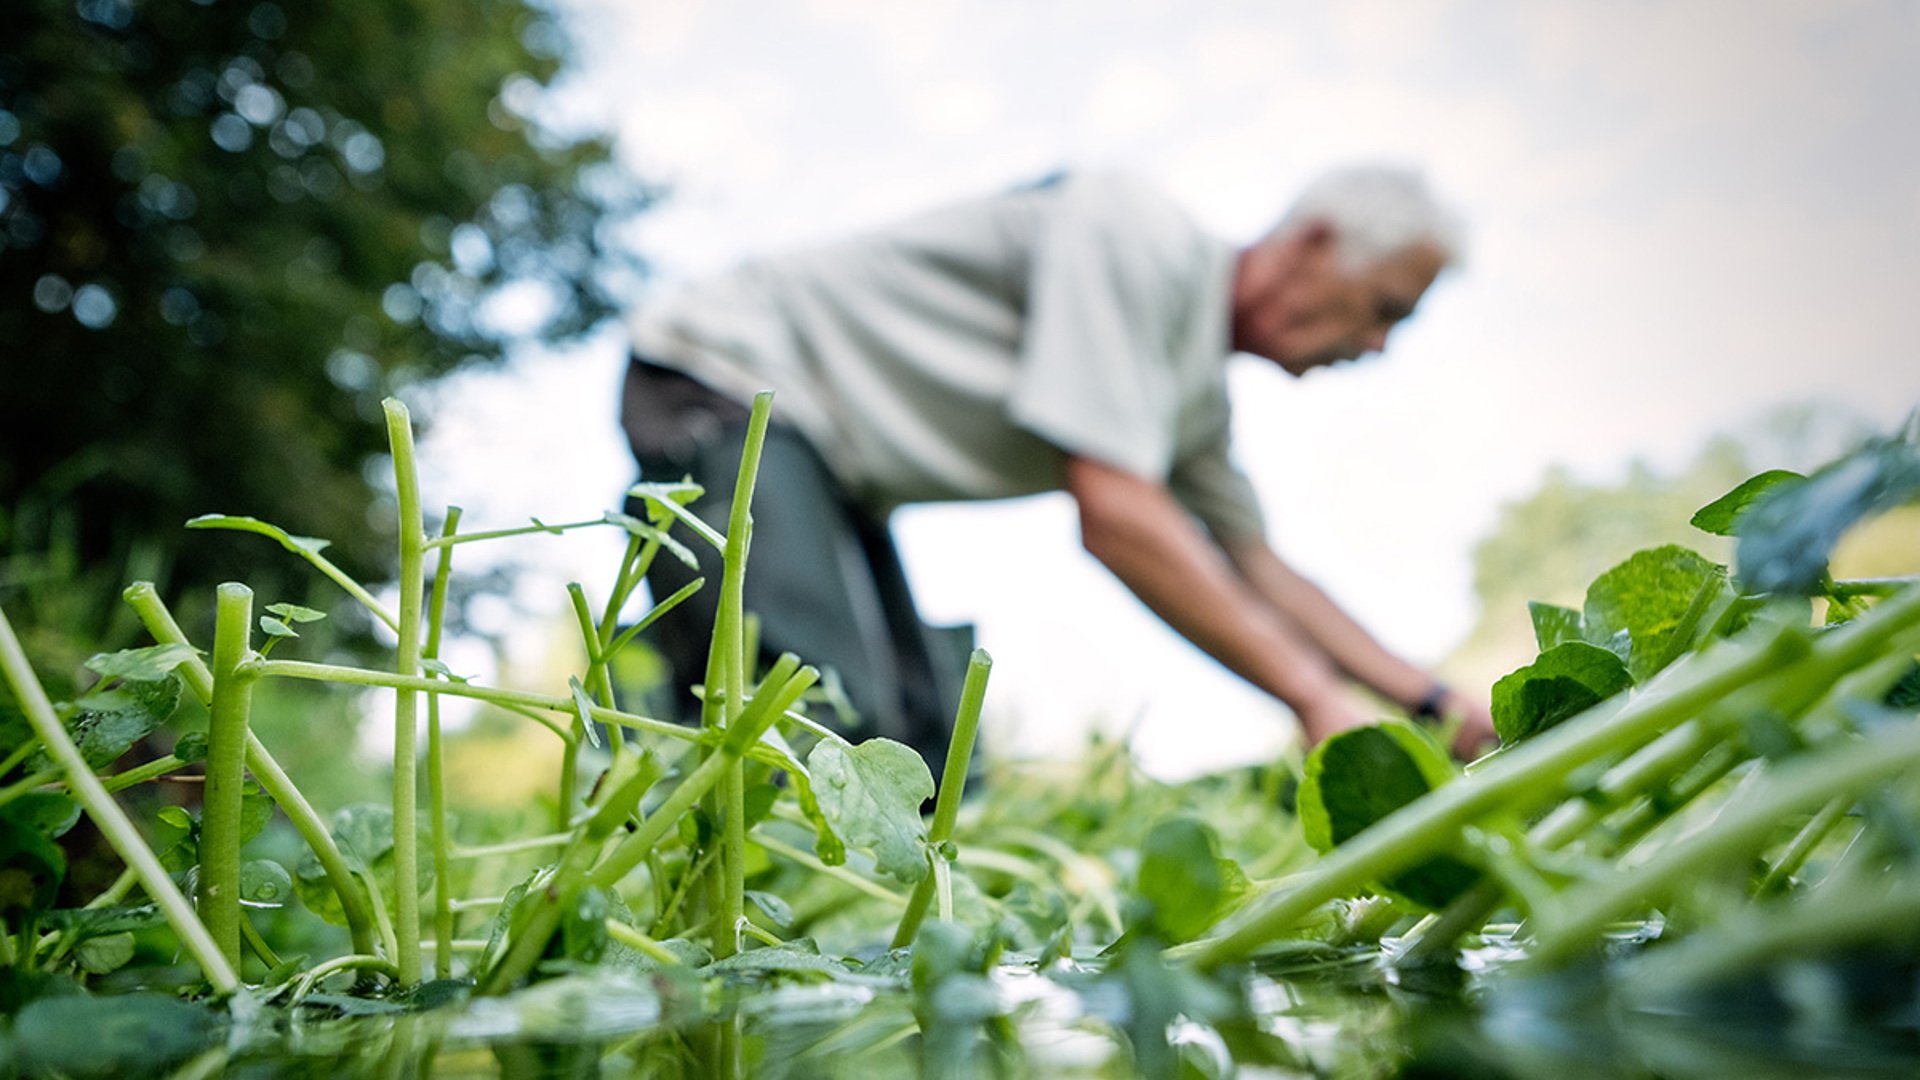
x: 1376, y: 212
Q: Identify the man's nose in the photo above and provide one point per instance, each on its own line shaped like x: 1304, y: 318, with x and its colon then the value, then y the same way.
x: 1375, y: 340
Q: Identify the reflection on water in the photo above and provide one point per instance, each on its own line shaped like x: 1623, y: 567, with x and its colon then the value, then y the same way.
x: 1339, y: 1014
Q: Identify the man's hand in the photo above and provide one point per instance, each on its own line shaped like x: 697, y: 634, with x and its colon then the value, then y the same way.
x: 1477, y: 735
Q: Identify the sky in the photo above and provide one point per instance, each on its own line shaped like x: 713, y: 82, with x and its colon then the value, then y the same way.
x: 1682, y: 214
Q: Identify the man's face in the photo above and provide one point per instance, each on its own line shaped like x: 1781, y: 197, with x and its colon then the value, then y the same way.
x: 1295, y: 304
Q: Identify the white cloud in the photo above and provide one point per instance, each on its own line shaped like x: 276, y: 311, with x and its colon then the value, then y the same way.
x: 1131, y: 97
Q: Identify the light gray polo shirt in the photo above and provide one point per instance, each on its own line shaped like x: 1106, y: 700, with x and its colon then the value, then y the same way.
x: 963, y: 353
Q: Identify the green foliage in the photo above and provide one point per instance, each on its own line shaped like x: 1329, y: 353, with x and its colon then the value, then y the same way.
x: 131, y: 1035
x: 1655, y: 601
x: 1568, y: 678
x: 1358, y: 777
x: 1681, y: 761
x: 1787, y: 537
x: 870, y: 795
x: 1185, y: 881
x: 1721, y: 517
x: 230, y: 230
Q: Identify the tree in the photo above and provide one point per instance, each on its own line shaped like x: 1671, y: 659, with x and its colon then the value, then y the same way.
x: 1551, y: 544
x: 229, y: 228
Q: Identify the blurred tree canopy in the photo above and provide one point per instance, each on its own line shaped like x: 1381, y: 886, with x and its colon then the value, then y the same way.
x: 228, y: 228
x: 1551, y: 544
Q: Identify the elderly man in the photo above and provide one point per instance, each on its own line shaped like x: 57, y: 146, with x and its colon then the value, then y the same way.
x: 1073, y: 336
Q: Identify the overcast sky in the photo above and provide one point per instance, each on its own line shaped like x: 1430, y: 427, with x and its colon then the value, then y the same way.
x: 1682, y: 212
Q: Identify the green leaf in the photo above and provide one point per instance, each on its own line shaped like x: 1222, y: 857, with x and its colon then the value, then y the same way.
x: 151, y: 664
x: 644, y: 531
x: 1651, y: 598
x: 1722, y: 516
x: 294, y: 613
x: 1787, y: 536
x: 95, y: 922
x: 1905, y: 694
x: 102, y: 955
x: 777, y: 911
x: 1184, y: 879
x: 760, y: 800
x: 1555, y: 625
x: 176, y: 838
x: 50, y: 812
x: 364, y: 834
x: 583, y: 710
x: 105, y: 724
x: 667, y: 502
x: 870, y: 794
x: 191, y: 747
x: 1565, y: 680
x: 299, y: 545
x: 583, y: 926
x: 31, y: 869
x: 275, y: 628
x: 137, y: 1034
x: 1361, y: 775
x: 256, y: 809
x: 265, y: 883
x: 437, y: 667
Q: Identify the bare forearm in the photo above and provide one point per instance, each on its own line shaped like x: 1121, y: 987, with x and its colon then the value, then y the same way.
x: 1139, y: 533
x: 1329, y: 626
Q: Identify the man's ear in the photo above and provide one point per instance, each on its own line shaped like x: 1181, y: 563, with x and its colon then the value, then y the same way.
x: 1318, y: 233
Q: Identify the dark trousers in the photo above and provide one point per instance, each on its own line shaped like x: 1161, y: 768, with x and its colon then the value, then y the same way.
x: 823, y: 577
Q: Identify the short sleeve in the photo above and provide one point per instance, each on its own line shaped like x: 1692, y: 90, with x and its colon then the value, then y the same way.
x: 1094, y: 376
x: 1214, y: 490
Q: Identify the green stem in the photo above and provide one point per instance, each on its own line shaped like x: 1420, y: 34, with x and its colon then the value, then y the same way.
x: 953, y: 784
x: 406, y: 705
x: 634, y: 939
x: 20, y: 753
x: 1801, y: 847
x: 532, y: 933
x: 301, y: 669
x: 1740, y: 830
x: 838, y: 873
x: 730, y: 652
x: 443, y: 925
x: 152, y: 770
x: 28, y: 783
x: 257, y: 943
x: 338, y: 964
x: 447, y: 538
x: 108, y: 817
x: 146, y: 603
x: 220, y: 825
x: 1653, y: 764
x: 627, y: 780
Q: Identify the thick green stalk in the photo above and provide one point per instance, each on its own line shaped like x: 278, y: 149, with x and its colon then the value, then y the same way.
x: 1513, y: 781
x: 1738, y: 833
x: 730, y: 646
x: 406, y: 704
x: 1653, y: 764
x: 108, y: 817
x: 146, y: 603
x: 443, y: 926
x: 219, y: 895
x: 953, y: 784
